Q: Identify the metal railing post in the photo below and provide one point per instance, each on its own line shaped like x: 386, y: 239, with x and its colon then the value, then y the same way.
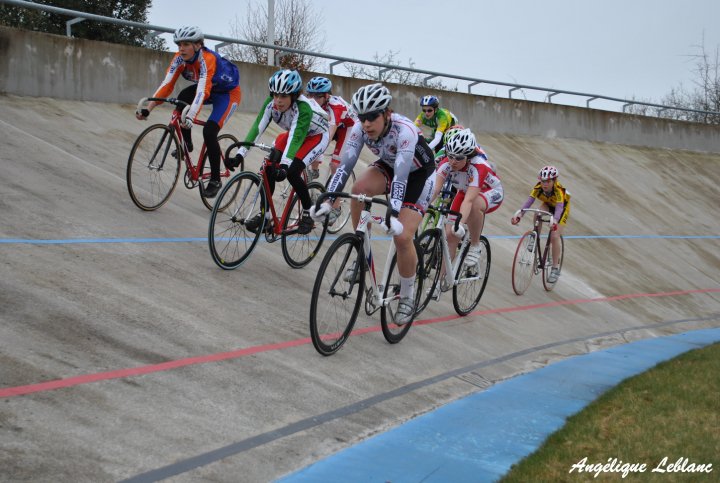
x: 70, y: 23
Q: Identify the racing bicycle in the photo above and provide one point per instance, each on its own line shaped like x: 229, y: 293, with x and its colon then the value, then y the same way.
x: 340, y: 283
x: 246, y: 195
x: 153, y: 168
x: 529, y: 260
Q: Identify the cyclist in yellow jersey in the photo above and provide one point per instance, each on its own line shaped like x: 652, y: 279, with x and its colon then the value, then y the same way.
x: 555, y: 199
x: 436, y: 118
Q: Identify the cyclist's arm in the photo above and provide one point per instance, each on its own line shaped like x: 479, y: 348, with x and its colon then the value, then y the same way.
x: 403, y: 165
x: 437, y: 139
x: 261, y: 123
x: 168, y: 84
x: 441, y: 174
x: 528, y: 203
x: 348, y: 158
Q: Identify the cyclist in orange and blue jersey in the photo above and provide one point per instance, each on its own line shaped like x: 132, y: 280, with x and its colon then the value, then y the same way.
x: 555, y: 199
x: 435, y: 118
x: 215, y: 81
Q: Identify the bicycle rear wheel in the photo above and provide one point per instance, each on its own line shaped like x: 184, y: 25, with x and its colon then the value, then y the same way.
x: 524, y: 263
x: 230, y: 241
x: 549, y: 263
x: 298, y: 250
x: 431, y: 246
x: 344, y: 216
x: 225, y: 140
x: 335, y: 301
x: 152, y: 170
x: 471, y: 281
x: 394, y: 333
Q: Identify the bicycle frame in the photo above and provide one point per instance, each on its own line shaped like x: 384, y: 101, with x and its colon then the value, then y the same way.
x: 541, y: 216
x: 448, y: 279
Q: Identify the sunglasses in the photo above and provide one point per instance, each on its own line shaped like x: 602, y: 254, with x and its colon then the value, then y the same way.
x: 428, y: 110
x: 457, y: 157
x: 370, y: 116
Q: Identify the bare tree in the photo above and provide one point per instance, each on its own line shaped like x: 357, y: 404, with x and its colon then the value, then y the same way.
x: 297, y: 25
x: 393, y: 75
x: 704, y: 96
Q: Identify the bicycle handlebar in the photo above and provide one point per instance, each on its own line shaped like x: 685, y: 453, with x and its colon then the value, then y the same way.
x: 249, y: 144
x: 447, y: 211
x: 170, y: 100
x: 542, y: 214
x: 341, y: 194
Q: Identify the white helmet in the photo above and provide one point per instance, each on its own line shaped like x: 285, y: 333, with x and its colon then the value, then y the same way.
x: 548, y: 172
x: 371, y: 98
x: 188, y: 34
x: 285, y: 81
x: 461, y: 143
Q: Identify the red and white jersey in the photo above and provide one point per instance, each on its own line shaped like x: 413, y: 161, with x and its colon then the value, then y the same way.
x: 340, y: 113
x: 477, y: 173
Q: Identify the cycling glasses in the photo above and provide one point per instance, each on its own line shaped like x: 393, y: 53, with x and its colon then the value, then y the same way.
x: 457, y: 157
x: 370, y: 116
x: 428, y: 110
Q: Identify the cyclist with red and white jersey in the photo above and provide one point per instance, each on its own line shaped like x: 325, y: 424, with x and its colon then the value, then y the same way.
x: 215, y: 81
x: 303, y: 141
x: 340, y: 117
x: 479, y: 190
x: 403, y: 170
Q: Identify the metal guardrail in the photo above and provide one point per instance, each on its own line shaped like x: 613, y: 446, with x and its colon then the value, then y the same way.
x: 154, y: 30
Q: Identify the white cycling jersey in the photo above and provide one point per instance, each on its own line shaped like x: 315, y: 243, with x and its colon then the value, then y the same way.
x: 398, y: 148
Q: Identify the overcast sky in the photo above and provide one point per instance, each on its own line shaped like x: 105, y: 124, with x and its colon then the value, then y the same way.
x: 616, y: 48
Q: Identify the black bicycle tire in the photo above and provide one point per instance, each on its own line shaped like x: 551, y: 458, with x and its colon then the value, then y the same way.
x: 430, y: 256
x: 131, y: 161
x: 457, y: 287
x: 385, y: 317
x: 547, y: 285
x: 315, y: 335
x: 220, y: 260
x: 292, y: 262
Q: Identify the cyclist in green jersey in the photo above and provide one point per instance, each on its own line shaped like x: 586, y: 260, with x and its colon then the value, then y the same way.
x: 436, y: 118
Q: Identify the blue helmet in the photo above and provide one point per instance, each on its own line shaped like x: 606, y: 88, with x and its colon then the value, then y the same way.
x: 285, y: 82
x: 429, y: 101
x: 319, y: 85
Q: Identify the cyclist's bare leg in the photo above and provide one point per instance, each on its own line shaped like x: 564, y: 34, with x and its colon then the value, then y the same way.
x: 477, y: 219
x: 372, y: 183
x: 555, y: 245
x: 333, y: 167
x: 406, y: 255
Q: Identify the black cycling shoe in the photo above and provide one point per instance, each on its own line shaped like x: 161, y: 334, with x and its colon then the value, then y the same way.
x: 212, y: 188
x: 253, y: 224
x: 306, y: 224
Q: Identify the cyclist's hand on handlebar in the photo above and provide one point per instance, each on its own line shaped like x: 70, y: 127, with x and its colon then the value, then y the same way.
x: 553, y: 225
x: 232, y: 163
x: 321, y: 212
x: 187, y: 123
x: 515, y: 220
x: 142, y: 114
x: 281, y: 173
x: 460, y: 230
x: 394, y: 227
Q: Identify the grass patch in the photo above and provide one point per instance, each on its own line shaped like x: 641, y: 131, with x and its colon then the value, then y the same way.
x: 671, y: 411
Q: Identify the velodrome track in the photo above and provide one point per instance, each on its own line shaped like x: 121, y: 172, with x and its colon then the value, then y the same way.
x: 124, y: 349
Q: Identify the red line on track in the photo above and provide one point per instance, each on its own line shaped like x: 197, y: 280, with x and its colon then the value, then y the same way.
x: 221, y: 356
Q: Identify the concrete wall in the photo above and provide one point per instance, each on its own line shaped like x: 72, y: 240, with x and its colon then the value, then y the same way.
x: 43, y: 65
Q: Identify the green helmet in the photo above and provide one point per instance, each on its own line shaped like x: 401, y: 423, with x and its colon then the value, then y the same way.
x: 450, y: 131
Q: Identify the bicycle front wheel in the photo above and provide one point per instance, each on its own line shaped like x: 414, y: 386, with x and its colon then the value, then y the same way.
x: 153, y: 167
x: 524, y: 263
x: 225, y: 140
x: 299, y: 249
x: 344, y: 216
x: 336, y: 297
x: 471, y: 280
x: 230, y: 240
x: 549, y: 264
x: 431, y: 246
x: 394, y: 333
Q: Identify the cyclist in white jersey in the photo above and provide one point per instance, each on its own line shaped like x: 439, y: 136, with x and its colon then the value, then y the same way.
x: 404, y: 170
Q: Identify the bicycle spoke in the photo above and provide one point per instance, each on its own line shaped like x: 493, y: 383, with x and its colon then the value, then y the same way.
x: 524, y: 262
x: 152, y: 171
x: 471, y: 280
x: 299, y: 249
